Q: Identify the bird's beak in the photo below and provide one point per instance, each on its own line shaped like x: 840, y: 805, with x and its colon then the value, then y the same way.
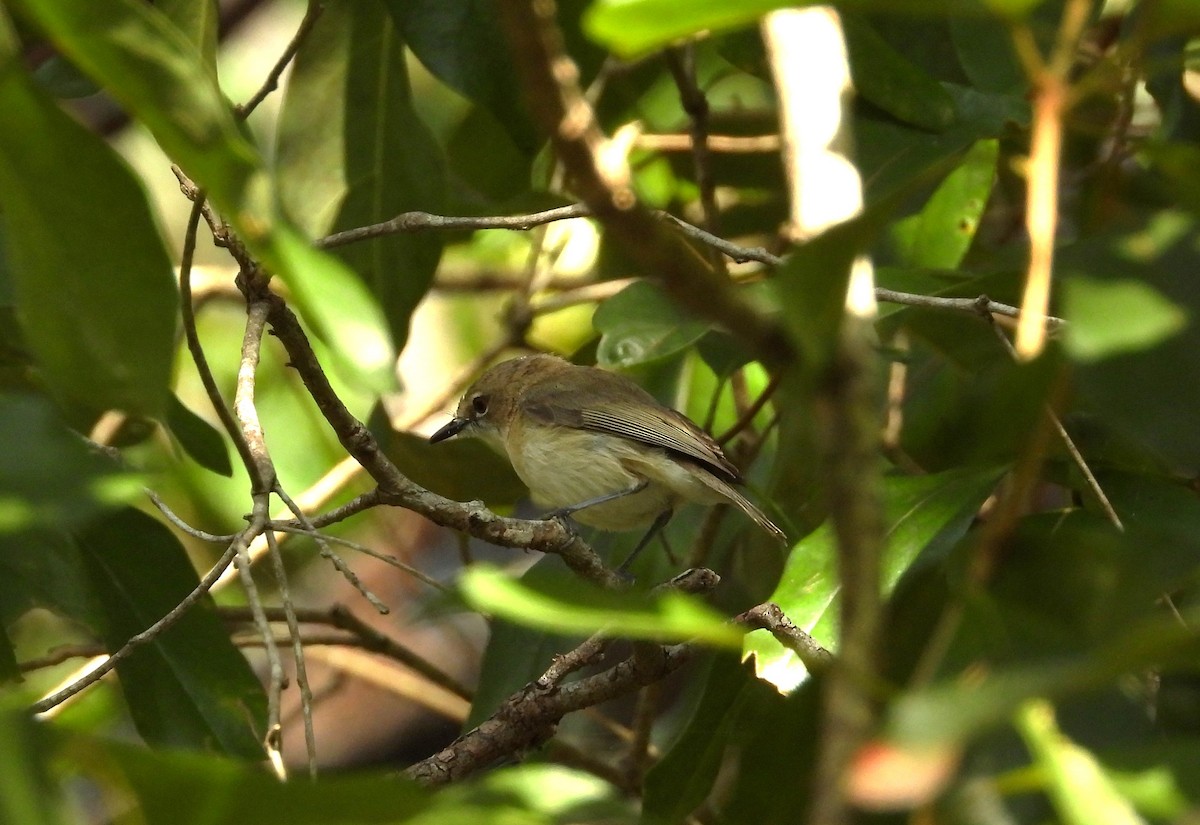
x: 453, y: 428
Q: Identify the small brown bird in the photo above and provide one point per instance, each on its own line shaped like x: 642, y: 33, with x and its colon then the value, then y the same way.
x: 594, y: 445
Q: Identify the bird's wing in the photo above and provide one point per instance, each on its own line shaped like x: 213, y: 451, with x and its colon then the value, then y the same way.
x: 650, y: 423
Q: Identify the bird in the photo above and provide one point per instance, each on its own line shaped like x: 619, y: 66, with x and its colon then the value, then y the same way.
x: 594, y: 445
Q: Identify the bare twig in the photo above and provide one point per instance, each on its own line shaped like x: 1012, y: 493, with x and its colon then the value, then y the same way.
x: 425, y: 221
x: 771, y: 618
x: 529, y: 717
x: 1072, y: 450
x: 716, y: 143
x: 153, y: 631
x: 366, y: 637
x: 550, y: 82
x: 271, y: 83
x: 183, y: 525
x: 682, y: 63
x: 297, y: 529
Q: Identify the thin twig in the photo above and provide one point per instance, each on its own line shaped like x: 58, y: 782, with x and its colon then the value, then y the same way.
x: 153, y: 631
x: 681, y: 61
x: 271, y: 83
x: 326, y: 552
x: 289, y: 614
x: 296, y: 529
x: 1072, y: 450
x: 425, y: 221
x: 747, y: 416
x: 194, y: 532
x: 771, y: 618
x: 366, y: 637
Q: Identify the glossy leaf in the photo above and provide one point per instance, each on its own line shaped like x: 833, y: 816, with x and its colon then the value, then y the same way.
x: 352, y: 152
x: 640, y: 324
x: 160, y: 76
x: 190, y: 687
x: 1112, y: 317
x: 667, y: 616
x: 80, y: 235
x: 923, y: 513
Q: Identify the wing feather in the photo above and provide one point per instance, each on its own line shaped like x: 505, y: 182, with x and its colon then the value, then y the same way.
x: 645, y: 420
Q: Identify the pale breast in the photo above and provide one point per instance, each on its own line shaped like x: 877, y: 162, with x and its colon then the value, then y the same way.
x: 563, y: 467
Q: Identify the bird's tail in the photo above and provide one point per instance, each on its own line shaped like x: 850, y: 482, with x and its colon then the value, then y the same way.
x: 734, y: 496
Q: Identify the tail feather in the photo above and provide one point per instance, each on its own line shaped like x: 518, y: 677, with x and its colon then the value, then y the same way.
x: 735, y: 496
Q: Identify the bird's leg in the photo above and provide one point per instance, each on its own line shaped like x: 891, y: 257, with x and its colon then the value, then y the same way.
x: 592, y: 502
x: 659, y: 523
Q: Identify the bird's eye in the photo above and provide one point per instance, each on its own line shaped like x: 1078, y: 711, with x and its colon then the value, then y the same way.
x: 479, y: 404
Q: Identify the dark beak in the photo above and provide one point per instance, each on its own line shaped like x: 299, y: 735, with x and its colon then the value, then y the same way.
x: 455, y: 427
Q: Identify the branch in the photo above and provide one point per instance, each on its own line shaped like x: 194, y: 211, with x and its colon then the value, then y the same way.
x: 528, y: 718
x: 771, y: 618
x: 550, y: 82
x: 396, y: 489
x: 426, y: 221
x: 153, y: 631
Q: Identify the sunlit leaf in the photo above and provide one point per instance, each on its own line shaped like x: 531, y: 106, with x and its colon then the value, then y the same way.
x: 922, y: 511
x: 667, y: 616
x: 946, y: 225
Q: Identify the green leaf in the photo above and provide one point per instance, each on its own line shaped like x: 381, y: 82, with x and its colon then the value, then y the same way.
x: 80, y: 236
x: 946, y: 224
x: 27, y: 794
x: 953, y: 711
x: 890, y: 81
x: 1081, y: 792
x: 923, y: 513
x: 677, y: 784
x: 190, y: 687
x: 199, y: 21
x: 1112, y: 317
x: 463, y: 469
x: 199, y: 439
x: 222, y: 791
x: 985, y: 51
x: 462, y: 43
x: 160, y: 76
x: 578, y: 609
x: 48, y: 475
x: 633, y: 27
x: 640, y: 324
x: 517, y: 654
x: 352, y: 152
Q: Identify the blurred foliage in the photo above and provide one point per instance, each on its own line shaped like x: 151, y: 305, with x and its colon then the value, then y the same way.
x: 1035, y: 668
